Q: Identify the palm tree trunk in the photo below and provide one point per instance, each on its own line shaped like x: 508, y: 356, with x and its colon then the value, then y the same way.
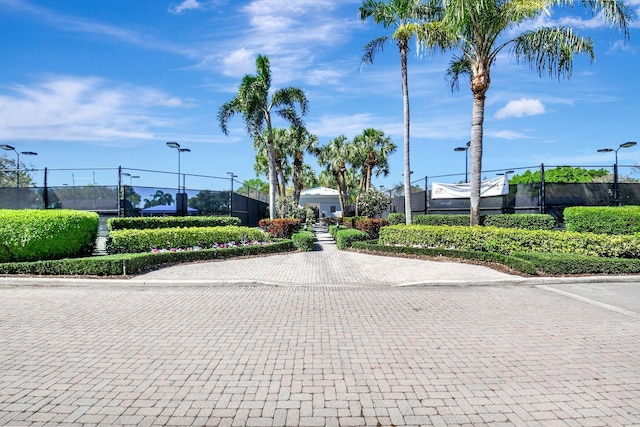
x: 477, y: 120
x: 297, y: 177
x: 402, y: 44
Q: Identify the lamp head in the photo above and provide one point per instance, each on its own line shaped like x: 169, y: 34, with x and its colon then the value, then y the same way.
x: 628, y: 144
x: 7, y: 147
x: 126, y: 174
x: 460, y: 149
x: 173, y: 145
x: 29, y: 153
x: 184, y: 150
x: 605, y: 150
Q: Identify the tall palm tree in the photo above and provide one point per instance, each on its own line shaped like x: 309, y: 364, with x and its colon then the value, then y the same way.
x: 300, y: 142
x: 283, y: 169
x: 479, y: 30
x: 256, y: 105
x: 373, y: 149
x: 335, y: 156
x: 402, y: 16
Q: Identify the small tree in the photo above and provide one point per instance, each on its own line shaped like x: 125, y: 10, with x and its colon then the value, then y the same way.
x: 286, y: 207
x: 372, y: 203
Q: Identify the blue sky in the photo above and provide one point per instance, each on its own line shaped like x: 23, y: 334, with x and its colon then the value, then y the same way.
x: 105, y: 83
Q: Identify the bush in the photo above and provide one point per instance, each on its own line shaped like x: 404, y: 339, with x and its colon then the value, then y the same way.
x: 561, y: 264
x: 397, y: 219
x: 508, y: 241
x: 346, y: 237
x: 433, y: 219
x: 134, y: 241
x: 143, y: 223
x: 603, y: 220
x: 522, y: 221
x: 125, y: 264
x: 30, y: 235
x: 282, y: 228
x: 372, y: 203
x: 304, y: 240
x: 370, y: 226
x: 286, y: 207
x: 333, y: 230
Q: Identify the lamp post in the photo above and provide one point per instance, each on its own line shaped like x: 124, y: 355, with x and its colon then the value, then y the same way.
x: 131, y: 177
x: 181, y: 199
x: 616, y: 187
x: 25, y: 153
x: 466, y: 160
x: 231, y: 176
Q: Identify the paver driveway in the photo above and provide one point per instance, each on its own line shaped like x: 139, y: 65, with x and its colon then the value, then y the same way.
x: 316, y: 355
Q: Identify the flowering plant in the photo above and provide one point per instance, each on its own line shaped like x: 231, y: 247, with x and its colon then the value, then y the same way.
x: 372, y: 203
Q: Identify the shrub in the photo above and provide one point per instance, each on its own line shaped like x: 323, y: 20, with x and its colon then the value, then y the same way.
x: 370, y: 226
x: 134, y: 241
x: 346, y: 237
x: 286, y: 207
x: 125, y: 264
x: 333, y: 230
x: 30, y: 235
x: 143, y: 223
x: 280, y: 228
x: 603, y: 220
x: 304, y: 240
x: 561, y: 264
x: 509, y: 241
x: 397, y: 219
x: 522, y: 221
x: 372, y: 203
x: 433, y: 219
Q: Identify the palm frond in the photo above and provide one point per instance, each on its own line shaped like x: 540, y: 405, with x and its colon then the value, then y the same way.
x: 372, y: 48
x: 457, y: 67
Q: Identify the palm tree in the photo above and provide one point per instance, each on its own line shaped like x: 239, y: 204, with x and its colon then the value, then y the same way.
x: 402, y: 16
x: 334, y: 157
x: 373, y: 150
x: 478, y: 30
x: 300, y: 141
x: 261, y: 166
x: 256, y: 105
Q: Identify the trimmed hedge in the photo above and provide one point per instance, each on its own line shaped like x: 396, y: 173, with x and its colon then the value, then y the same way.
x: 370, y: 226
x: 522, y: 221
x: 144, y: 223
x: 508, y: 241
x: 516, y: 263
x: 345, y: 237
x: 438, y: 219
x: 282, y: 228
x: 333, y: 230
x: 126, y: 264
x: 602, y: 219
x: 134, y: 241
x: 560, y: 264
x: 31, y: 235
x: 397, y: 219
x: 304, y: 240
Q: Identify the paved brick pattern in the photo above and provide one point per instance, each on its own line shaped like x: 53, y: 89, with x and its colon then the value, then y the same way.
x: 314, y: 356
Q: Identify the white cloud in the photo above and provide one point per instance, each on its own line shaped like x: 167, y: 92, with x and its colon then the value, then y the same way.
x: 506, y: 134
x: 521, y: 108
x: 186, y: 5
x: 65, y: 108
x: 239, y: 62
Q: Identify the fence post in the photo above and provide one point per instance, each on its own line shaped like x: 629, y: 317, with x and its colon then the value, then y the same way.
x: 121, y: 196
x: 426, y: 195
x: 45, y: 195
x: 543, y: 206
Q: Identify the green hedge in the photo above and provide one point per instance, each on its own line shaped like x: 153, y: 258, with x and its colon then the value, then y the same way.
x: 31, y: 235
x: 333, y: 230
x: 134, y: 241
x: 508, y: 241
x: 397, y: 219
x: 436, y: 219
x: 143, y: 223
x: 561, y: 264
x: 522, y: 221
x: 127, y: 264
x: 603, y: 220
x: 345, y: 237
x: 304, y: 240
x: 516, y: 263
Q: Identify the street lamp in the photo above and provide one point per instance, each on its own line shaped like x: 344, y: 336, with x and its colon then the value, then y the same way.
x: 466, y: 160
x: 131, y: 177
x: 26, y: 153
x: 231, y: 176
x: 181, y: 199
x: 616, y: 188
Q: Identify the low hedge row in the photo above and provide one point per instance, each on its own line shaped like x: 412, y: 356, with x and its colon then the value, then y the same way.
x: 397, y: 218
x: 143, y: 223
x: 304, y: 240
x: 522, y: 221
x: 135, y: 241
x: 30, y: 234
x: 510, y: 241
x: 437, y: 219
x: 282, y: 228
x: 602, y: 219
x: 345, y: 237
x: 127, y: 264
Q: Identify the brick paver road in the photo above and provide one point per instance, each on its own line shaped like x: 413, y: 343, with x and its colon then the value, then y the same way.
x: 317, y: 355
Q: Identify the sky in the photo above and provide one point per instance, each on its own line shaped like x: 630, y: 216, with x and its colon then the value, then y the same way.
x: 106, y: 83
